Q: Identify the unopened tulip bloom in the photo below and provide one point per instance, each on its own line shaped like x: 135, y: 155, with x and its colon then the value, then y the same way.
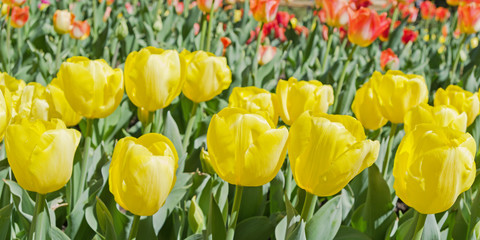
x: 245, y: 149
x: 453, y: 2
x: 80, y: 30
x: 398, y: 92
x: 366, y: 108
x: 207, y: 76
x: 143, y: 172
x: 461, y: 100
x: 296, y: 97
x: 389, y: 60
x: 41, y: 153
x: 442, y: 14
x: 154, y: 77
x: 61, y: 105
x: 5, y: 110
x: 469, y: 18
x: 365, y: 26
x: 37, y: 103
x: 266, y: 54
x: 206, y: 5
x: 91, y: 87
x: 255, y: 100
x: 19, y: 17
x: 441, y: 115
x: 433, y: 165
x: 336, y: 12
x: 409, y: 36
x: 327, y: 151
x: 427, y: 9
x: 264, y: 10
x: 62, y: 21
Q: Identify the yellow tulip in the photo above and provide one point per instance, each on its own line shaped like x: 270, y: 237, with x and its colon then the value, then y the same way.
x: 14, y: 86
x: 61, y: 105
x: 154, y: 77
x: 327, y: 151
x: 443, y: 116
x: 36, y: 103
x: 142, y: 173
x: 461, y: 100
x: 296, y: 97
x: 433, y: 165
x: 41, y: 153
x: 398, y: 92
x: 92, y: 88
x: 5, y: 110
x: 367, y: 109
x: 207, y: 76
x: 255, y: 100
x: 245, y: 149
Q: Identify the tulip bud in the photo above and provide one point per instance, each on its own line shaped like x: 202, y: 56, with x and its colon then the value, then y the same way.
x: 264, y: 10
x: 207, y: 76
x: 92, y: 88
x: 442, y: 14
x: 366, y: 108
x: 453, y: 2
x: 327, y: 151
x: 266, y: 54
x: 433, y: 161
x: 121, y: 30
x: 296, y: 97
x: 19, y: 17
x: 365, y: 26
x: 206, y: 5
x: 61, y: 105
x: 398, y: 92
x: 5, y: 110
x: 196, y: 220
x: 5, y: 8
x: 469, y: 18
x: 206, y: 162
x: 245, y: 149
x: 389, y: 60
x: 80, y: 30
x: 336, y: 12
x: 158, y: 24
x: 441, y: 115
x: 463, y: 101
x: 154, y: 77
x: 255, y: 100
x: 62, y: 21
x: 237, y: 16
x: 427, y: 9
x: 143, y: 172
x: 41, y: 153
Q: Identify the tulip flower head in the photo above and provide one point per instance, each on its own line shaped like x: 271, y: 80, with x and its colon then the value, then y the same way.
x: 397, y: 93
x: 365, y: 26
x: 36, y: 103
x: 266, y: 54
x: 366, y: 108
x: 143, y: 172
x: 469, y: 18
x: 62, y: 21
x: 43, y: 4
x: 61, y: 105
x: 433, y: 165
x: 245, y: 149
x: 453, y: 2
x: 19, y: 16
x: 5, y: 110
x: 17, y: 3
x: 463, y: 101
x: 154, y: 77
x: 255, y: 100
x: 389, y: 60
x: 296, y: 97
x: 336, y: 12
x: 206, y: 5
x: 442, y: 14
x: 41, y: 153
x: 80, y: 30
x: 264, y: 10
x: 15, y: 87
x: 441, y: 115
x: 327, y: 151
x: 409, y: 36
x: 427, y: 9
x: 91, y: 87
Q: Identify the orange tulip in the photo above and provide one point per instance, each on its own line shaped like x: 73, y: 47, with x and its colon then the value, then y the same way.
x: 17, y: 3
x: 19, y: 17
x: 336, y: 12
x: 442, y: 14
x: 453, y: 2
x: 264, y: 10
x: 80, y: 30
x: 427, y: 9
x: 389, y: 60
x: 469, y: 18
x: 206, y: 5
x: 365, y: 26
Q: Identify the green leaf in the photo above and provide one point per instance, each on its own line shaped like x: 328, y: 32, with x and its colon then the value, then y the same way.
x: 105, y: 220
x: 431, y: 230
x: 326, y: 222
x: 298, y: 232
x: 259, y: 227
x: 5, y: 216
x: 276, y: 193
x: 57, y: 234
x: 215, y: 225
x: 347, y: 233
x: 23, y: 203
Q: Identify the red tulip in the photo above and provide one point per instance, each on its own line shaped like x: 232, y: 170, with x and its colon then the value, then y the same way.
x: 264, y: 10
x: 442, y: 14
x: 409, y: 36
x: 365, y: 26
x: 19, y: 17
x: 428, y: 10
x: 336, y: 12
x: 469, y: 18
x: 389, y: 60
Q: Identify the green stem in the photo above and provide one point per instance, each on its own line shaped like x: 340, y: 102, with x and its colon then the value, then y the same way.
x: 115, y: 54
x: 211, y: 22
x: 86, y: 154
x: 186, y: 6
x: 191, y: 121
x: 257, y: 81
x: 235, y: 210
x: 342, y: 79
x: 453, y: 71
x: 148, y: 127
x: 9, y: 36
x: 245, y: 13
x: 134, y: 229
x: 204, y: 31
x: 386, y: 161
x: 394, y: 19
x: 58, y: 59
x: 94, y: 25
x: 419, y: 228
x: 327, y: 51
x: 308, y: 206
x: 35, y: 227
